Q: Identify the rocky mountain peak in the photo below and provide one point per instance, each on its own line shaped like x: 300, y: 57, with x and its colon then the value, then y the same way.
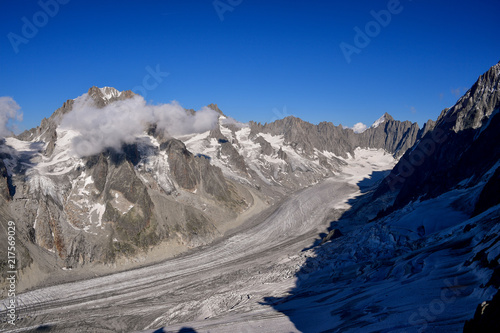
x: 477, y: 105
x: 104, y: 96
x: 97, y: 93
x: 109, y: 92
x: 385, y: 117
x: 215, y: 107
x: 453, y: 149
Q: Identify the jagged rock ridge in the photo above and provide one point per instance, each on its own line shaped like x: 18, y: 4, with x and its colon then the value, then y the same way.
x: 460, y: 149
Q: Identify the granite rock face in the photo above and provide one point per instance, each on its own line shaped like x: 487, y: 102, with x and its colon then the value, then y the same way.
x: 195, y: 172
x: 5, y: 187
x: 306, y: 137
x: 391, y: 135
x: 477, y: 105
x: 460, y: 150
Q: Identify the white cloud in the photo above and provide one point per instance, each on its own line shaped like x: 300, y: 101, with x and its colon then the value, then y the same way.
x: 174, y: 120
x: 121, y: 121
x: 9, y: 109
x: 232, y: 121
x: 359, y: 128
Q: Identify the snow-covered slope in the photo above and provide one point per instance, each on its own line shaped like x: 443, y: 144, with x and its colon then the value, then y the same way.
x: 266, y: 159
x: 236, y: 273
x: 404, y: 272
x: 109, y: 92
x: 385, y: 117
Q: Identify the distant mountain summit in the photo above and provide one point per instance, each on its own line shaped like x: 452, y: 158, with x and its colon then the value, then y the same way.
x: 106, y: 95
x: 391, y: 135
x: 385, y: 117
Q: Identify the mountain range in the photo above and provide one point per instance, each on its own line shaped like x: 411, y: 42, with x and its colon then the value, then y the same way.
x: 89, y: 211
x: 120, y: 203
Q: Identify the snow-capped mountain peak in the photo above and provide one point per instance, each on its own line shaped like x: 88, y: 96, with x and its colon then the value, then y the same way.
x: 109, y: 92
x: 105, y: 95
x: 385, y: 117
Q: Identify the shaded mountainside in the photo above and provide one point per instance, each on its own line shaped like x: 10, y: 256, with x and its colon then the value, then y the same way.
x: 461, y: 150
x: 421, y: 248
x: 461, y: 154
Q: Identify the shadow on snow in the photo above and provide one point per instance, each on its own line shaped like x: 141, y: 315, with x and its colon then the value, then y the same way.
x: 315, y: 288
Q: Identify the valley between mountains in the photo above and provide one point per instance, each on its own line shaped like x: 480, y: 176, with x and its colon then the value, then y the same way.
x: 231, y: 276
x: 179, y: 220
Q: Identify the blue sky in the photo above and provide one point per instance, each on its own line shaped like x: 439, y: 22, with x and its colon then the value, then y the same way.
x: 263, y: 60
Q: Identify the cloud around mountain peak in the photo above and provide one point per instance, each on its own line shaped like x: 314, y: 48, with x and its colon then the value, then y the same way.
x: 122, y: 121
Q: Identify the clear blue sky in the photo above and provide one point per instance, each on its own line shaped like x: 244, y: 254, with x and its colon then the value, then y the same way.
x: 264, y: 60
